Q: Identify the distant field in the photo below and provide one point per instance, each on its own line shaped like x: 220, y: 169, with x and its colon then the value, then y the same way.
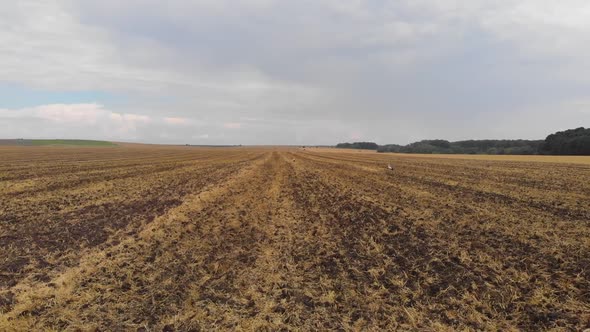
x: 163, y: 238
x: 61, y: 142
x: 530, y: 158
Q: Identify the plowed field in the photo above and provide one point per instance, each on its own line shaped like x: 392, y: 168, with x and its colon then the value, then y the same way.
x: 154, y: 238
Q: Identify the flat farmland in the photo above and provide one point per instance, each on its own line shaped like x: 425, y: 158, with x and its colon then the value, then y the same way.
x: 162, y: 238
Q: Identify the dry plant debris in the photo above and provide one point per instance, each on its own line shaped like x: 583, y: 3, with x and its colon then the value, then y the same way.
x: 153, y: 238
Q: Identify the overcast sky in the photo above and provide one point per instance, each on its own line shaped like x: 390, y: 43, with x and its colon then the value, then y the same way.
x: 293, y: 72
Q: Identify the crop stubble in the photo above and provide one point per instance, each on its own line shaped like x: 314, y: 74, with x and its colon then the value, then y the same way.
x: 152, y: 238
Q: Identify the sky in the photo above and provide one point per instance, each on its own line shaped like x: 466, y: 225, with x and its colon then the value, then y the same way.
x: 298, y: 72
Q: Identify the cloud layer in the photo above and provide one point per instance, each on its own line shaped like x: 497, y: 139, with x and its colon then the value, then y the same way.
x: 74, y: 121
x: 298, y: 72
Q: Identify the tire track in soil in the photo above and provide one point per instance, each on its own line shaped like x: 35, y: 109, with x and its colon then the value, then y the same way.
x: 50, y: 239
x: 90, y: 176
x: 506, y: 186
x: 451, y: 259
x: 455, y: 208
x: 143, y: 268
x: 452, y: 205
x: 266, y: 271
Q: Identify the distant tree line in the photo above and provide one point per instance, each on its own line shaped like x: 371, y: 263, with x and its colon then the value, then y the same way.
x: 467, y: 147
x: 358, y: 145
x: 569, y: 142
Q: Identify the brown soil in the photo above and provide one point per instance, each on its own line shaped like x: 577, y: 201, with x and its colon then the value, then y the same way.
x: 181, y: 238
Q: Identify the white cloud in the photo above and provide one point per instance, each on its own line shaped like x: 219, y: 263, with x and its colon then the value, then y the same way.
x: 177, y: 121
x: 232, y: 125
x: 61, y: 120
x: 78, y: 114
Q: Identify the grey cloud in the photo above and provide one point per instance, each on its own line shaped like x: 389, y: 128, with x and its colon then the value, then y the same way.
x: 314, y: 71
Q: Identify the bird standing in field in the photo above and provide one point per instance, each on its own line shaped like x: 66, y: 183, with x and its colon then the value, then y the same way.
x: 390, y: 167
